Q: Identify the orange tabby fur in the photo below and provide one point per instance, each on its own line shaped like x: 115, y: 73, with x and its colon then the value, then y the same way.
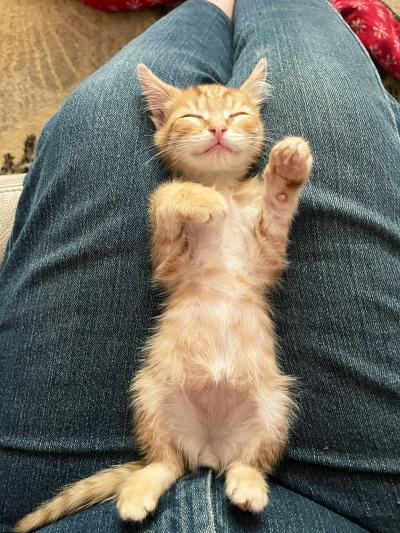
x: 210, y: 392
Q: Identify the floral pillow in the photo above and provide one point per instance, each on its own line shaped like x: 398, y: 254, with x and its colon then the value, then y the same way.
x: 377, y: 28
x: 123, y: 5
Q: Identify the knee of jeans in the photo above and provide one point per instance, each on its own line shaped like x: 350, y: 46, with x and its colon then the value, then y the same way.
x: 103, y: 111
x: 113, y: 97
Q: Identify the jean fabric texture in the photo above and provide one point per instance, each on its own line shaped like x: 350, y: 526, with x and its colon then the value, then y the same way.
x: 76, y: 300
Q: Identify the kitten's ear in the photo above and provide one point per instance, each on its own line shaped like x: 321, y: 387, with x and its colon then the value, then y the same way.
x: 157, y: 93
x: 256, y: 84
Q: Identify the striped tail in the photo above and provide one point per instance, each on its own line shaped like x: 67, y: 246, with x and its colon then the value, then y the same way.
x: 98, y: 488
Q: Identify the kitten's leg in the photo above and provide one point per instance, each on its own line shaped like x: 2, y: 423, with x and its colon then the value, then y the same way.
x: 140, y: 494
x: 245, y: 480
x: 289, y: 165
x: 288, y: 169
x: 246, y: 487
x: 174, y: 208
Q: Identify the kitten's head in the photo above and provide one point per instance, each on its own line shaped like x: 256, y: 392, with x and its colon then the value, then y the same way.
x: 210, y: 132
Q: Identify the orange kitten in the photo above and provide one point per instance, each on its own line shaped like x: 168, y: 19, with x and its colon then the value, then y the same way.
x: 210, y: 392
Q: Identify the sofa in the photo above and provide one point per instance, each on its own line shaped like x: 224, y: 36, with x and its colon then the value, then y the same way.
x: 10, y: 190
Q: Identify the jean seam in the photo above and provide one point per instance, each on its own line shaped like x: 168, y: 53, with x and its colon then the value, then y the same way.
x: 368, y: 57
x: 209, y: 502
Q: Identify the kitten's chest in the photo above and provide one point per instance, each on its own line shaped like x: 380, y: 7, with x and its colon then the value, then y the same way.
x: 233, y: 243
x: 239, y: 222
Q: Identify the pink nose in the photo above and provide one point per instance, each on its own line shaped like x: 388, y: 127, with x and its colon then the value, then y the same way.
x: 218, y: 131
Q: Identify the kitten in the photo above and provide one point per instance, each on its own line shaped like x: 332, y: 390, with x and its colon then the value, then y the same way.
x: 210, y: 392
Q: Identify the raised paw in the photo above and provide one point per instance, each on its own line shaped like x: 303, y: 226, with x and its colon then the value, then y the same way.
x: 247, y: 490
x: 291, y: 159
x: 137, y: 500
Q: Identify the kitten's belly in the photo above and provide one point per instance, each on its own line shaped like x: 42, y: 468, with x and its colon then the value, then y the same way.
x: 213, y: 424
x: 215, y: 416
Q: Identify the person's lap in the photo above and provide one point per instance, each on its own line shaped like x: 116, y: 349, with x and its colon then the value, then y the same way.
x: 77, y: 301
x: 198, y: 503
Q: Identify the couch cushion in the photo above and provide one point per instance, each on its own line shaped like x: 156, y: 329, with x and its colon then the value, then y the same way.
x: 10, y: 190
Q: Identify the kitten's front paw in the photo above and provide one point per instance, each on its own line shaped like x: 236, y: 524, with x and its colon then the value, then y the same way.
x: 204, y: 204
x: 186, y: 202
x: 291, y: 159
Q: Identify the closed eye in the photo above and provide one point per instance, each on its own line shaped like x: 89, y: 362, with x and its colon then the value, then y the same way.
x: 238, y: 114
x: 191, y: 116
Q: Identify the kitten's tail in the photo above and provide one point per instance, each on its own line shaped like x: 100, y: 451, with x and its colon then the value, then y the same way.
x: 98, y: 488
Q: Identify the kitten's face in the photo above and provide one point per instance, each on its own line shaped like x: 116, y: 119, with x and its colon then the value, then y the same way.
x: 207, y: 130
x: 211, y: 127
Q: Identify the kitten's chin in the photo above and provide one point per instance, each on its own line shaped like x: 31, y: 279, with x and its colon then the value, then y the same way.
x: 222, y: 158
x: 215, y: 167
x: 216, y: 149
x: 217, y: 158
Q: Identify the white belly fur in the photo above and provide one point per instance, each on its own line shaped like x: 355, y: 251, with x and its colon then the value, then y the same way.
x: 213, y: 424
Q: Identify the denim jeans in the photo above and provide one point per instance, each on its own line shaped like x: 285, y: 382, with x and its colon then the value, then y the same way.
x: 76, y: 300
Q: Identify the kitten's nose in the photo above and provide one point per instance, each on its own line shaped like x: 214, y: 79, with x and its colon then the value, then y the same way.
x: 218, y: 131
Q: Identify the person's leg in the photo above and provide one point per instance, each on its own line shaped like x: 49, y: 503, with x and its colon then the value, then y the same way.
x: 181, y: 509
x: 225, y: 5
x: 75, y: 293
x: 338, y: 310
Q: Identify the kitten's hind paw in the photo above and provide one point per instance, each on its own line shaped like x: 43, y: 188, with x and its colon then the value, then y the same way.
x: 246, y: 488
x: 135, y: 503
x: 139, y: 495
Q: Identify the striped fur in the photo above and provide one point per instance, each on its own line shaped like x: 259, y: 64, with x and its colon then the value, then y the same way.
x: 98, y: 488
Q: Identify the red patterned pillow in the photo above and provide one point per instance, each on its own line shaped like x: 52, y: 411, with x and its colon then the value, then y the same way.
x: 377, y: 28
x: 123, y: 5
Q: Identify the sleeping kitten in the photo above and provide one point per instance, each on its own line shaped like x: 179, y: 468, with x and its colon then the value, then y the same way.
x: 210, y: 392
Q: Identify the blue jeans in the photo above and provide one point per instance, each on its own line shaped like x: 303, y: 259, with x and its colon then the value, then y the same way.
x: 77, y: 302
